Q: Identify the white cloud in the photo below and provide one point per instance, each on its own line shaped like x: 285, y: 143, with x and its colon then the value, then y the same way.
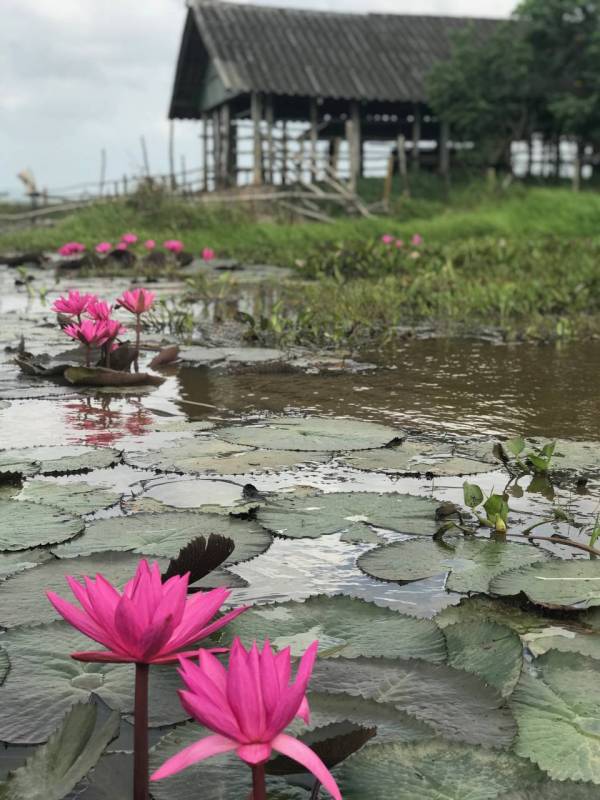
x: 77, y: 76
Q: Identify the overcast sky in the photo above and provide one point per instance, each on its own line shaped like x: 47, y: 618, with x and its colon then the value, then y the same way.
x: 77, y: 76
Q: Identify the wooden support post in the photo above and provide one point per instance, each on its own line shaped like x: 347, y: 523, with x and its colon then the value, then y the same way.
x: 216, y: 159
x: 388, y: 182
x: 334, y: 155
x: 314, y: 138
x: 205, y: 152
x: 444, y: 164
x: 256, y: 113
x: 124, y: 184
x: 402, y: 169
x: 226, y: 150
x: 416, y: 155
x: 284, y: 153
x: 353, y: 134
x: 270, y: 118
x: 577, y: 166
x: 300, y: 161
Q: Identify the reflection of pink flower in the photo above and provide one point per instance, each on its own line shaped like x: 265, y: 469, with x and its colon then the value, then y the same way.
x: 399, y: 244
x: 137, y: 301
x: 149, y: 622
x: 71, y: 249
x: 174, y: 245
x: 89, y: 332
x: 208, y: 254
x: 103, y: 247
x: 248, y: 706
x: 122, y: 246
x: 129, y: 238
x: 98, y: 309
x: 74, y: 303
x: 149, y: 244
x: 416, y: 240
x: 387, y: 238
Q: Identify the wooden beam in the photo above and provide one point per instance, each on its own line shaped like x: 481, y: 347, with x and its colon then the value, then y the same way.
x: 216, y: 131
x: 402, y: 170
x: 256, y: 114
x: 416, y: 155
x: 270, y: 118
x: 284, y: 152
x: 205, y: 152
x: 314, y: 137
x: 334, y: 154
x: 353, y: 134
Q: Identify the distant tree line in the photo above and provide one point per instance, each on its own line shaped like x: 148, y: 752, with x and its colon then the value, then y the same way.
x: 537, y: 74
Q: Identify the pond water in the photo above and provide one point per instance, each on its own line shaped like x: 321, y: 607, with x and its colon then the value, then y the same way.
x: 450, y: 393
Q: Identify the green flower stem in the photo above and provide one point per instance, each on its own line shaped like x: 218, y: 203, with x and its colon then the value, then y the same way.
x: 140, y: 733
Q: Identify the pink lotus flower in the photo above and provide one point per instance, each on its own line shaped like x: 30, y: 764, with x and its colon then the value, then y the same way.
x: 416, y: 240
x: 387, y: 238
x: 129, y: 238
x: 137, y: 301
x: 71, y: 249
x: 113, y: 328
x: 149, y: 622
x: 122, y: 246
x: 98, y: 309
x: 399, y: 244
x: 90, y: 332
x: 208, y: 254
x: 74, y: 303
x: 103, y: 247
x: 149, y: 244
x: 248, y: 707
x: 174, y: 245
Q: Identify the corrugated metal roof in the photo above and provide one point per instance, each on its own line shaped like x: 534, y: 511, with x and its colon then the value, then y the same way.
x: 375, y: 57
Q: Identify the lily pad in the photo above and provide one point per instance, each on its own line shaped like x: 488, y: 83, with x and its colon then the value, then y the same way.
x: 312, y: 433
x: 57, y: 460
x: 18, y: 561
x: 26, y: 525
x: 4, y: 404
x: 557, y: 707
x: 76, y: 498
x: 472, y: 563
x: 433, y: 770
x: 487, y: 649
x: 344, y: 627
x: 456, y: 704
x: 70, y: 753
x: 23, y: 597
x: 224, y: 356
x: 164, y: 424
x: 223, y: 458
x: 200, y: 493
x: 44, y: 682
x: 4, y: 665
x: 111, y: 778
x: 474, y: 609
x: 163, y: 535
x: 555, y: 584
x: 418, y: 458
x: 309, y: 516
x: 582, y: 458
x: 554, y: 790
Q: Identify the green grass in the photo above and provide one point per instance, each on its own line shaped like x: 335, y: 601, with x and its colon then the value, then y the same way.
x: 472, y: 211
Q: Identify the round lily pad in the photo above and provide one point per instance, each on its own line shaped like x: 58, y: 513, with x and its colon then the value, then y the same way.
x: 57, y: 460
x: 76, y: 498
x: 223, y: 356
x: 208, y: 495
x: 300, y: 515
x: 215, y: 455
x: 472, y: 562
x: 418, y: 458
x: 553, y: 583
x: 312, y: 433
x: 456, y: 704
x: 44, y: 682
x: 18, y: 561
x: 26, y: 525
x: 432, y: 770
x: 344, y: 626
x: 163, y: 535
x: 557, y: 707
x: 23, y: 597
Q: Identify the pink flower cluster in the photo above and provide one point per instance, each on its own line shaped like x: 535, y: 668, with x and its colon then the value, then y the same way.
x: 387, y: 239
x: 128, y: 239
x: 71, y: 249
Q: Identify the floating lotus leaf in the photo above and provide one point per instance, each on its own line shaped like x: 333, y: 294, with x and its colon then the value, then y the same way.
x: 472, y: 563
x: 344, y: 626
x: 487, y: 649
x: 11, y: 563
x: 4, y: 666
x: 561, y: 636
x: 557, y: 708
x: 44, y: 682
x: 554, y: 790
x: 418, y: 458
x: 111, y: 778
x: 165, y: 534
x: 23, y: 597
x: 569, y: 456
x: 69, y: 754
x: 300, y: 515
x: 456, y: 704
x: 57, y: 460
x: 201, y: 493
x: 76, y: 498
x: 556, y: 584
x: 32, y: 389
x: 474, y: 609
x: 183, y: 425
x: 224, y: 777
x: 432, y: 770
x: 223, y: 356
x: 215, y: 455
x: 312, y: 433
x: 26, y: 525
